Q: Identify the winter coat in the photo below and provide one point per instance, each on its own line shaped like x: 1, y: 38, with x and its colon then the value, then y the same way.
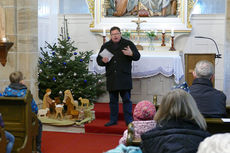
x: 19, y: 90
x: 118, y: 69
x: 210, y: 102
x: 174, y: 136
x: 140, y: 127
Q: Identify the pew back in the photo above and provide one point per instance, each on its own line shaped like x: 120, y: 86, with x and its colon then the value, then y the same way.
x: 17, y: 115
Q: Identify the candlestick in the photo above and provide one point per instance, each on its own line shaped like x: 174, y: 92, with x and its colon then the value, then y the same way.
x: 104, y: 32
x: 172, y: 32
x: 172, y: 44
x: 163, y: 39
x: 155, y: 32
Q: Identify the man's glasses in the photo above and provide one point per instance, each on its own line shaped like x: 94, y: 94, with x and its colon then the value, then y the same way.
x: 115, y: 34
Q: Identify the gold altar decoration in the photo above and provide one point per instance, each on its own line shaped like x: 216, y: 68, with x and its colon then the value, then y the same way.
x: 138, y: 22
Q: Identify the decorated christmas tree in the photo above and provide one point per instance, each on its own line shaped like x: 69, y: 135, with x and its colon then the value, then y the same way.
x: 62, y: 67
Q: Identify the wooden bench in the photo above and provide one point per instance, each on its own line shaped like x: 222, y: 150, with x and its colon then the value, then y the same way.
x: 214, y: 125
x: 20, y: 121
x: 3, y: 141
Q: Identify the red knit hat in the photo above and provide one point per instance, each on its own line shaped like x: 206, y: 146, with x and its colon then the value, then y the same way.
x: 144, y: 110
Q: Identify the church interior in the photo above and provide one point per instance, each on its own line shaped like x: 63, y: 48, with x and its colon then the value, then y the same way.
x: 171, y: 36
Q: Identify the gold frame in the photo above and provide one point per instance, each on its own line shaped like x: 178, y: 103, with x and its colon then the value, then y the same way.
x: 181, y: 22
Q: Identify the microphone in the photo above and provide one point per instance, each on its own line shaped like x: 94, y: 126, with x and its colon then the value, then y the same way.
x: 218, y: 55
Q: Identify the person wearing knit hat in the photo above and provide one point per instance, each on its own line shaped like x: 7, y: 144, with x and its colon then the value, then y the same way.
x: 143, y: 119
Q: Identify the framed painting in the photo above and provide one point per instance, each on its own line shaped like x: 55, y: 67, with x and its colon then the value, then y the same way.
x: 155, y: 14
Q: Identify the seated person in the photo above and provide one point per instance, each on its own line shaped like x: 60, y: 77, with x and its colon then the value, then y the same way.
x: 217, y: 143
x: 17, y: 88
x: 210, y: 101
x: 180, y: 126
x: 143, y: 119
x: 9, y: 137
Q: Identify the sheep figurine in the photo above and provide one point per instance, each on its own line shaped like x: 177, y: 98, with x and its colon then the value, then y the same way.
x: 43, y: 112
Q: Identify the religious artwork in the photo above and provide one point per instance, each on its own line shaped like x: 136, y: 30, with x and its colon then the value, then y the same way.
x: 158, y: 14
x: 43, y: 112
x: 84, y: 102
x: 142, y: 8
x: 69, y: 101
x: 58, y: 109
x: 47, y: 101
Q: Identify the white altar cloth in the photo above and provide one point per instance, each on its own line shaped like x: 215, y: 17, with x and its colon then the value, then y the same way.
x: 150, y: 64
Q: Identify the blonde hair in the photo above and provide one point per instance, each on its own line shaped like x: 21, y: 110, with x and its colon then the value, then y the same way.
x: 217, y: 143
x: 178, y: 104
x: 16, y: 77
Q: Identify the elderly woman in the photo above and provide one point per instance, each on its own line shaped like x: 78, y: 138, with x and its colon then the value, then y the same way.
x: 180, y: 126
x: 143, y: 119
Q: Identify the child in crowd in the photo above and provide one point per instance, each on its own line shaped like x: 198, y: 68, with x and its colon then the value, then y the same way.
x: 17, y: 88
x: 143, y: 119
x: 10, y: 138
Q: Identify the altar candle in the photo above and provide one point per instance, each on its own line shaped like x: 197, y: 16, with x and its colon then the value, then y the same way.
x: 3, y: 39
x: 172, y: 32
x: 104, y: 32
x: 163, y: 30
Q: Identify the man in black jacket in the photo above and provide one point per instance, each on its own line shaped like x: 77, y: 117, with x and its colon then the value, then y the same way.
x: 118, y: 73
x: 211, y: 102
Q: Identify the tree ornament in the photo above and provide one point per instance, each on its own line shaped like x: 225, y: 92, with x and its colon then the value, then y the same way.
x: 59, y: 74
x: 53, y: 53
x: 75, y: 53
x: 40, y: 71
x: 59, y: 56
x: 74, y: 74
x: 60, y: 92
x: 81, y: 60
x: 85, y: 81
x: 54, y: 79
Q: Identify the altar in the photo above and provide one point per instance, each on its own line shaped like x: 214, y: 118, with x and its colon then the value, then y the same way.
x: 154, y: 74
x: 151, y: 63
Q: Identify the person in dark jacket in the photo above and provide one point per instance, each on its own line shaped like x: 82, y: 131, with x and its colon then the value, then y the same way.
x: 210, y: 101
x: 118, y: 73
x: 180, y: 126
x: 17, y: 88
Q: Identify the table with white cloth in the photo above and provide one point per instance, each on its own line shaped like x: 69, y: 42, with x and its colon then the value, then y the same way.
x: 167, y: 63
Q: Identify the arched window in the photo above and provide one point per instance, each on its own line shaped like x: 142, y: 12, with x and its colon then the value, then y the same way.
x: 209, y: 7
x: 73, y: 7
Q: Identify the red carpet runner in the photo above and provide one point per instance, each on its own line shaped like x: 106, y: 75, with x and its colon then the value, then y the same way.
x: 102, y: 114
x: 60, y: 142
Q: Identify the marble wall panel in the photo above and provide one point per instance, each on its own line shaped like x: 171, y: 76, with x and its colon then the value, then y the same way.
x: 27, y: 3
x: 27, y: 43
x: 10, y: 27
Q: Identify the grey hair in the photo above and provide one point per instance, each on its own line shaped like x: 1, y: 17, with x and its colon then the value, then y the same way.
x: 217, y: 143
x: 178, y: 104
x: 204, y: 69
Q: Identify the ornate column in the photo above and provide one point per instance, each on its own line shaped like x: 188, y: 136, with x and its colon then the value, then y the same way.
x: 227, y: 53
